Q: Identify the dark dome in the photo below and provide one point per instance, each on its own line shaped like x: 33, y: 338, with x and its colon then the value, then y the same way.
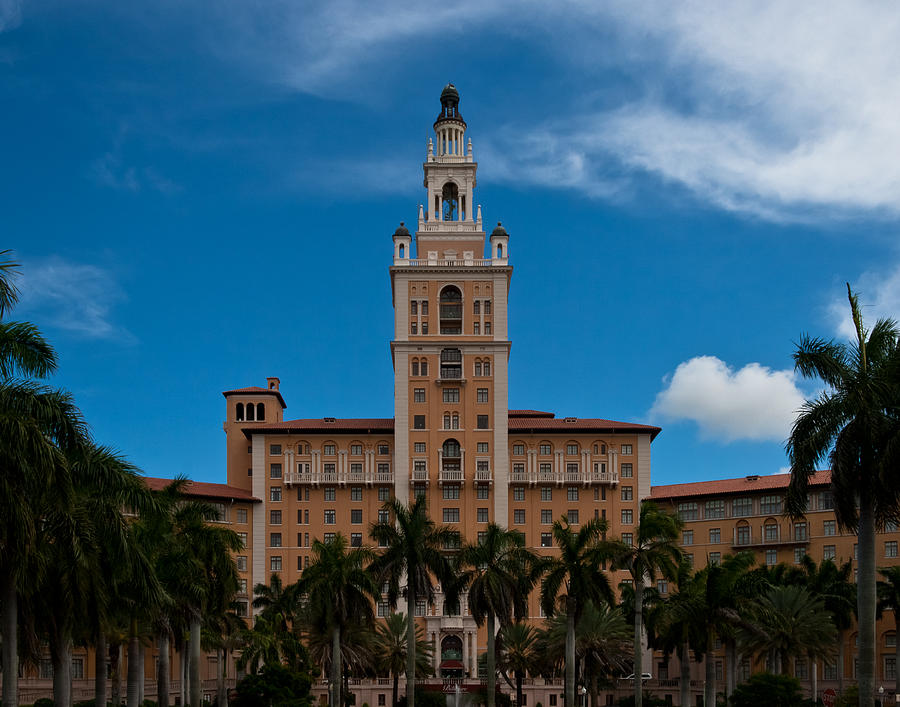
x: 401, y: 230
x: 499, y: 231
x: 449, y: 105
x: 449, y: 91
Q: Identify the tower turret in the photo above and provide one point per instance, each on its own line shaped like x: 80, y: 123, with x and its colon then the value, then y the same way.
x: 499, y: 244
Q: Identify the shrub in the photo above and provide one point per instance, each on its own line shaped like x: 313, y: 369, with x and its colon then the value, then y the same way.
x: 274, y: 686
x: 769, y: 690
x: 43, y: 702
x: 649, y: 701
x: 426, y: 698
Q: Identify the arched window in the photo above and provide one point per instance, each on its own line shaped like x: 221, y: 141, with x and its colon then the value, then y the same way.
x: 251, y: 408
x: 451, y: 310
x: 478, y: 368
x: 415, y: 366
x: 487, y: 368
x: 402, y: 249
x: 239, y: 412
x: 450, y: 196
x: 499, y: 250
x: 451, y: 363
x: 451, y: 449
x: 260, y: 412
x: 424, y: 367
x: 455, y: 423
x: 446, y: 420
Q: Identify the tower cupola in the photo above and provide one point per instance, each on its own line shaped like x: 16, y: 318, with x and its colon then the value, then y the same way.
x: 450, y: 128
x: 402, y: 240
x: 499, y: 244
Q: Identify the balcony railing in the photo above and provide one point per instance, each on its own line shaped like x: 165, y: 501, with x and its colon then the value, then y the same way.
x: 759, y: 540
x: 483, y: 476
x: 564, y: 477
x: 451, y: 476
x: 338, y: 477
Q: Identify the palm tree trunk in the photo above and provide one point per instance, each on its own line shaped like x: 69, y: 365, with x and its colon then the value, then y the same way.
x: 396, y: 695
x: 410, y: 643
x: 135, y: 669
x: 61, y: 651
x: 142, y: 653
x: 162, y: 677
x: 101, y: 655
x: 709, y: 698
x: 595, y: 690
x: 116, y: 690
x: 638, y: 643
x: 195, y: 660
x: 335, y: 678
x: 221, y: 696
x: 570, y: 652
x: 731, y: 667
x: 185, y: 678
x: 841, y: 656
x: 10, y: 632
x: 685, y: 682
x: 814, y: 673
x: 491, y: 662
x: 866, y: 598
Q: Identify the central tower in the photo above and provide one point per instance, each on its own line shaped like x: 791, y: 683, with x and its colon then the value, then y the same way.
x: 451, y: 345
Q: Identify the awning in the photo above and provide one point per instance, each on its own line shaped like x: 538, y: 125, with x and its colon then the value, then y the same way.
x: 451, y: 665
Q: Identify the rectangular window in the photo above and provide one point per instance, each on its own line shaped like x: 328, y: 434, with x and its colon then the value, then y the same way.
x: 771, y: 557
x: 572, y: 468
x: 715, y: 558
x: 626, y: 449
x: 662, y: 586
x: 487, y: 327
x: 384, y: 610
x: 770, y: 505
x: 419, y: 395
x: 770, y: 532
x: 414, y: 307
x: 275, y: 563
x: 274, y: 471
x: 546, y: 516
x: 572, y: 493
x: 419, y: 447
x: 275, y: 517
x: 329, y: 450
x: 476, y: 307
x: 743, y: 535
x: 330, y: 516
x: 627, y: 471
x: 829, y: 527
x: 627, y: 493
x: 274, y: 449
x: 714, y: 510
x: 243, y: 538
x: 275, y: 493
x: 519, y: 516
x: 419, y: 465
x: 742, y: 507
x: 715, y: 536
x: 356, y: 493
x: 828, y: 552
x: 418, y: 422
x: 329, y: 469
x: 384, y: 449
x: 451, y: 395
x: 482, y: 492
x: 572, y: 449
x: 518, y: 493
x: 545, y: 449
x: 481, y: 515
x: 384, y: 493
x: 518, y: 449
x: 628, y: 539
x: 383, y: 516
x: 546, y: 540
x: 571, y: 516
x: 688, y: 511
x: 482, y: 422
x: 356, y: 516
x: 482, y: 397
x: 451, y: 515
x: 627, y: 516
x: 330, y: 493
x: 241, y: 515
x: 487, y: 306
x: 800, y: 532
x: 327, y: 538
x: 546, y: 493
x: 355, y: 539
x: 476, y: 328
x: 799, y: 553
x: 890, y: 548
x: 687, y: 537
x: 274, y: 539
x: 414, y: 328
x: 451, y: 492
x: 826, y: 501
x: 801, y: 669
x: 419, y: 490
x: 242, y: 563
x: 482, y: 448
x: 829, y: 670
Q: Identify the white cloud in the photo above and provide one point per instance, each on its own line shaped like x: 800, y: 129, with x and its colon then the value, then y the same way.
x: 10, y: 14
x: 752, y: 403
x: 879, y: 297
x: 72, y: 296
x: 110, y: 171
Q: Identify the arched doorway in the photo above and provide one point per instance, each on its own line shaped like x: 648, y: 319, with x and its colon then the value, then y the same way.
x: 451, y: 657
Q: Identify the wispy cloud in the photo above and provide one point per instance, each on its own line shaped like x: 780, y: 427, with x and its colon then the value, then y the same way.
x: 74, y: 297
x: 879, y: 297
x: 10, y: 14
x: 111, y: 171
x: 751, y: 403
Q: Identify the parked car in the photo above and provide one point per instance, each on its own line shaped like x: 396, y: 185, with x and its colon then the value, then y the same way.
x: 644, y: 677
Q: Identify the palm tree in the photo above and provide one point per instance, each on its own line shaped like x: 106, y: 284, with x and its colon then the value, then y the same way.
x: 498, y: 572
x: 413, y: 547
x: 339, y: 591
x: 516, y: 653
x: 574, y: 578
x: 390, y: 650
x: 280, y: 605
x: 889, y: 600
x: 850, y: 424
x: 791, y: 623
x: 654, y: 549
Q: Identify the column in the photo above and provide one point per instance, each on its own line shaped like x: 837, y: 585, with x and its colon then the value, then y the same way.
x: 473, y: 654
x: 465, y: 655
x: 435, y: 653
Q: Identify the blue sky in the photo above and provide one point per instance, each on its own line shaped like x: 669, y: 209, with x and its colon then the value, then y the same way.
x: 202, y: 195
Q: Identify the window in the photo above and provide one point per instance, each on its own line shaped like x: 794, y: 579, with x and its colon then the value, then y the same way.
x: 715, y: 536
x: 829, y: 670
x: 482, y: 422
x: 662, y: 586
x: 419, y: 447
x: 715, y: 558
x: 743, y: 535
x: 518, y: 449
x: 243, y: 538
x: 482, y: 492
x: 384, y: 493
x: 355, y: 539
x: 688, y: 511
x: 770, y: 532
x: 890, y: 640
x: 546, y: 493
x: 330, y: 515
x: 356, y: 493
x: 627, y: 493
x: 275, y: 563
x: 546, y: 540
x: 476, y: 307
x: 800, y: 531
x: 476, y: 328
x: 275, y: 517
x: 382, y: 698
x: 356, y: 516
x: 415, y: 368
x: 482, y: 397
x: 626, y: 449
x: 383, y: 516
x: 242, y: 586
x: 419, y: 490
x: 482, y: 448
x: 487, y: 368
x: 770, y: 505
x: 328, y: 538
x: 572, y: 493
x: 451, y: 492
x: 414, y: 307
x: 571, y: 516
x: 828, y: 552
x: 418, y: 422
x: 487, y: 327
x: 519, y: 516
x: 241, y: 515
x: 546, y: 516
x: 826, y: 501
x: 572, y: 449
x: 329, y: 450
x: 274, y: 449
x: 771, y: 557
x: 742, y: 507
x: 627, y: 471
x: 687, y: 537
x: 419, y: 395
x: 627, y: 516
x: 451, y: 515
x: 477, y: 368
x: 714, y: 510
x: 572, y: 468
x: 274, y: 539
x: 628, y: 539
x: 829, y: 527
x: 518, y: 493
x: 451, y: 395
x: 329, y: 492
x: 242, y: 563
x: 890, y: 548
x: 481, y: 515
x: 275, y: 493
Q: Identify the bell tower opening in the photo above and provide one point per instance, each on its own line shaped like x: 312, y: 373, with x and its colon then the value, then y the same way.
x: 450, y: 199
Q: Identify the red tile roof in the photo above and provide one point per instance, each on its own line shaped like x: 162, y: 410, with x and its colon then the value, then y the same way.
x: 328, y: 424
x: 579, y: 424
x: 204, y: 489
x: 256, y: 390
x: 749, y: 484
x: 530, y: 413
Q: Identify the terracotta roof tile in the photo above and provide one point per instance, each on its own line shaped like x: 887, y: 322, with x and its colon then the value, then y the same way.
x: 530, y: 413
x: 256, y: 390
x: 204, y: 489
x: 749, y: 484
